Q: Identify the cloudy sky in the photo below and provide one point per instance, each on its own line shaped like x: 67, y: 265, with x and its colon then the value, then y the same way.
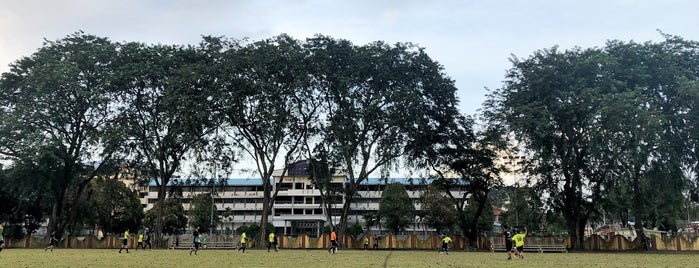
x: 472, y: 39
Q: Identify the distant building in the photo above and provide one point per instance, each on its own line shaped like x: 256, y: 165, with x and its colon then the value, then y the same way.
x: 298, y: 206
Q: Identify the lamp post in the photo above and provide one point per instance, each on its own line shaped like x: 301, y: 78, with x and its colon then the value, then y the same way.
x: 516, y: 208
x: 211, y: 223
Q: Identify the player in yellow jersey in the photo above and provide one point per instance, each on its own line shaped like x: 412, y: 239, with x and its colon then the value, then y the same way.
x: 243, y: 242
x: 140, y: 242
x: 445, y: 244
x: 272, y: 242
x: 519, y: 243
x: 125, y: 242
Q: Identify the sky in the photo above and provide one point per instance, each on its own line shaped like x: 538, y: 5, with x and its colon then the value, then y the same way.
x: 472, y: 39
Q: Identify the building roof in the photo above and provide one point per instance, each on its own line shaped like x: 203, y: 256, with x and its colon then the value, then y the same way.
x: 204, y: 182
x: 404, y: 181
x: 258, y: 181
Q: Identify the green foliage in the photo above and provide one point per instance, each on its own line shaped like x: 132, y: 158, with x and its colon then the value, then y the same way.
x: 396, y: 207
x: 370, y: 219
x: 525, y: 208
x: 200, y: 213
x: 266, y: 99
x: 380, y: 102
x: 439, y: 210
x: 355, y: 230
x: 169, y: 108
x: 19, y: 204
x: 174, y: 219
x: 13, y: 231
x: 117, y: 207
x: 605, y: 126
x: 478, y: 222
x: 59, y: 102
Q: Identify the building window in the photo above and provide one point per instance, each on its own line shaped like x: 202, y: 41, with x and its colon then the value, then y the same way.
x: 283, y: 200
x: 285, y: 186
x: 279, y: 212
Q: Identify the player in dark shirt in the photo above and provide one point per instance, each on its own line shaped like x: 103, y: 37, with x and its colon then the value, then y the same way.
x: 197, y: 242
x: 508, y: 241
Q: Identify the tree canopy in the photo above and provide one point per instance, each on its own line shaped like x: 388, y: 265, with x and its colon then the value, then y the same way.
x: 604, y: 124
x: 396, y: 208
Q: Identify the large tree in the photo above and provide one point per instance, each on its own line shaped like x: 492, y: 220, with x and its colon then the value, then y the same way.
x: 459, y: 158
x: 321, y: 175
x: 396, y: 208
x: 439, y: 211
x: 169, y: 106
x: 115, y: 207
x: 604, y: 126
x: 550, y: 102
x: 200, y: 211
x: 378, y: 100
x: 265, y: 95
x: 23, y: 198
x: 58, y: 103
x: 524, y: 207
x: 646, y: 127
x: 174, y: 220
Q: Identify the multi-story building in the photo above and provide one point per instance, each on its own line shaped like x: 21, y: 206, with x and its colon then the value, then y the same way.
x: 298, y: 207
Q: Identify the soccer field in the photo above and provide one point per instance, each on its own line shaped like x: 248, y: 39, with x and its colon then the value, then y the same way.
x: 321, y: 258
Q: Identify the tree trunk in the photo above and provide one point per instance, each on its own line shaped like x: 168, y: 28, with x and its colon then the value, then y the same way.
x: 341, y: 227
x: 473, y: 232
x: 159, y: 218
x: 573, y: 233
x: 641, y: 234
x: 265, y: 211
x: 56, y: 211
x: 576, y: 231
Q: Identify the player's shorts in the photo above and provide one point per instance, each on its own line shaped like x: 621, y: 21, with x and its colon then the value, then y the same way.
x: 508, y: 246
x: 197, y: 245
x: 125, y: 242
x: 520, y: 248
x: 333, y: 243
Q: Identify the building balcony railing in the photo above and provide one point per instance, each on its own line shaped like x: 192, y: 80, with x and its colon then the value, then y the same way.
x: 299, y: 192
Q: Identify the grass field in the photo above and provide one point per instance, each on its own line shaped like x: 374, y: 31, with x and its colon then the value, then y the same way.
x: 321, y: 258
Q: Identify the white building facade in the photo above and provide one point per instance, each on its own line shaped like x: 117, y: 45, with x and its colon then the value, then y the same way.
x: 298, y: 207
